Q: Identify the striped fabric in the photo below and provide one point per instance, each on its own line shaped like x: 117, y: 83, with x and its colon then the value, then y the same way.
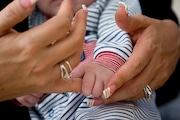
x: 71, y: 106
x: 102, y: 29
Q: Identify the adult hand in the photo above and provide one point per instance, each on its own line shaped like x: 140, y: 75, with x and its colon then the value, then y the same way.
x: 154, y: 58
x: 29, y: 63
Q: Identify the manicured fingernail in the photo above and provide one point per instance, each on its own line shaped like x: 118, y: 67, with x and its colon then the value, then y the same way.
x: 126, y: 8
x: 107, y: 93
x: 33, y: 1
x: 84, y: 7
x: 28, y: 3
x: 90, y: 103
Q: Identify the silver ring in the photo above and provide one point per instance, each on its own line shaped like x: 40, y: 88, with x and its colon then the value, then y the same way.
x: 65, y: 72
x: 148, y: 92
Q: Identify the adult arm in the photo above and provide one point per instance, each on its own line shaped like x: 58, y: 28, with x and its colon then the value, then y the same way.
x: 29, y: 63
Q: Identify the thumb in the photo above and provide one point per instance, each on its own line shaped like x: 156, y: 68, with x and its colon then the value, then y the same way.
x: 130, y: 24
x: 134, y: 25
x: 14, y: 13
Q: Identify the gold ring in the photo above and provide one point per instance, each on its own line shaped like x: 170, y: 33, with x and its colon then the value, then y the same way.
x: 148, y: 92
x: 65, y: 69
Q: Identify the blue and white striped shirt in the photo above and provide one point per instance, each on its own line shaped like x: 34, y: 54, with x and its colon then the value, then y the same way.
x: 102, y: 28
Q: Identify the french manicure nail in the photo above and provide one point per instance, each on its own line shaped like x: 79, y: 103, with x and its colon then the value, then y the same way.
x: 126, y: 8
x: 28, y: 3
x: 33, y: 1
x: 107, y: 93
x: 90, y: 102
x: 84, y: 7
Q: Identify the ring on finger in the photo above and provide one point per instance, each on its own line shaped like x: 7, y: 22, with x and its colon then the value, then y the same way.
x: 148, y: 92
x: 65, y: 69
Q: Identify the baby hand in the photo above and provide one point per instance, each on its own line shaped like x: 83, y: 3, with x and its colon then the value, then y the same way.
x: 29, y: 100
x: 94, y: 77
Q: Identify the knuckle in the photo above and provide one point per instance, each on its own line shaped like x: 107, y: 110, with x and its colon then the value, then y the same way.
x: 66, y: 24
x: 13, y: 13
x: 41, y: 68
x: 43, y: 82
x: 137, y: 66
x: 133, y: 91
x: 28, y: 50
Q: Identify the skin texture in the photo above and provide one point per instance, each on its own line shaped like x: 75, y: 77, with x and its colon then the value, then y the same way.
x: 150, y: 54
x: 94, y: 79
x: 25, y: 66
x: 154, y: 58
x: 50, y: 8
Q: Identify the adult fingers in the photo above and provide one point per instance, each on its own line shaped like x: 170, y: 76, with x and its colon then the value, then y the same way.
x: 15, y: 12
x: 139, y: 59
x: 66, y: 85
x: 127, y: 92
x: 138, y: 83
x: 80, y: 19
x: 131, y: 24
x: 75, y: 38
x: 133, y: 89
x: 134, y: 65
x: 55, y: 28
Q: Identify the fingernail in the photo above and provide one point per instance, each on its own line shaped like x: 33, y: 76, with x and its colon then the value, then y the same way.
x: 126, y: 8
x: 84, y: 7
x: 28, y: 3
x: 107, y: 93
x: 90, y: 103
x: 85, y: 11
x: 33, y: 1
